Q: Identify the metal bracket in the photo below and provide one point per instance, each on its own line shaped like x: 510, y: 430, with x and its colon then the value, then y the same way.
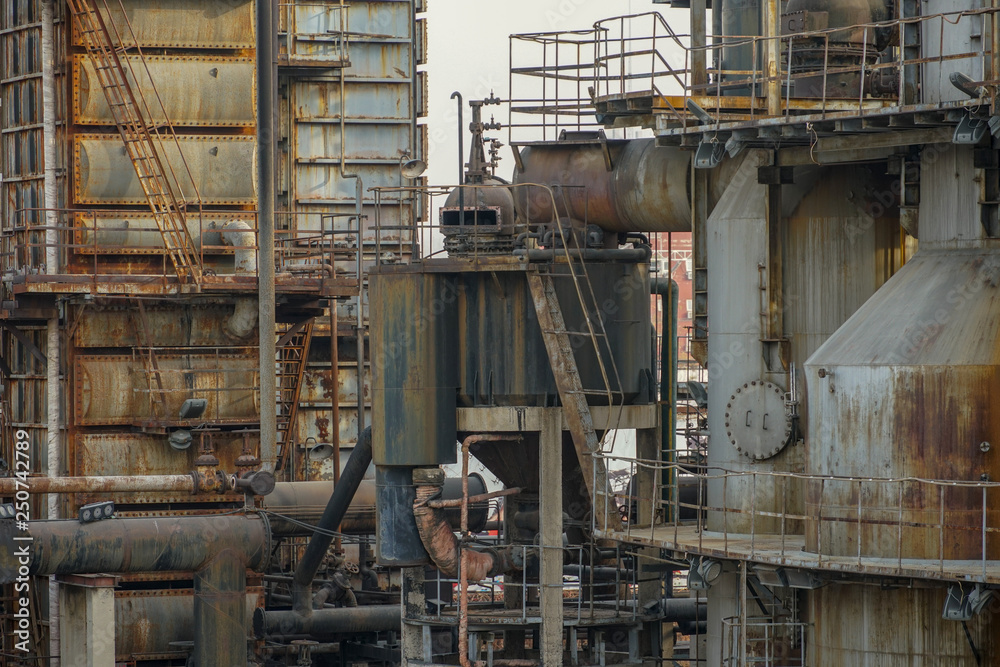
x: 970, y: 130
x: 709, y: 155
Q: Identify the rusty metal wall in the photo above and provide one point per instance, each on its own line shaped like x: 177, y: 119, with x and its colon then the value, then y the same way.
x: 118, y: 389
x: 186, y: 24
x: 873, y: 626
x: 169, y: 325
x: 503, y: 360
x: 906, y: 392
x: 314, y: 415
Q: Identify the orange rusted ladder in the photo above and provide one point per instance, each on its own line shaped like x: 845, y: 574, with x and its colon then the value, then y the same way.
x: 573, y: 396
x: 293, y: 354
x: 142, y: 138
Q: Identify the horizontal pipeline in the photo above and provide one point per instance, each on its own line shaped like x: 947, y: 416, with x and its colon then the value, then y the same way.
x: 170, y: 544
x: 100, y: 484
x: 327, y: 622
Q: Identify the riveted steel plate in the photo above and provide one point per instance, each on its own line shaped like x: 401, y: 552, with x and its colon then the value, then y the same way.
x: 198, y: 91
x: 217, y: 24
x: 119, y: 389
x: 167, y: 325
x: 135, y: 233
x: 224, y: 168
x: 756, y: 422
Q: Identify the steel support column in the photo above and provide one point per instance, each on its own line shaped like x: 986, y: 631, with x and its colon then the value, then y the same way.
x: 551, y: 530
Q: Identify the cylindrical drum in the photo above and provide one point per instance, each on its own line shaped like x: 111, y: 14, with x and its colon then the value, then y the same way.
x: 620, y: 186
x: 397, y: 542
x: 414, y: 368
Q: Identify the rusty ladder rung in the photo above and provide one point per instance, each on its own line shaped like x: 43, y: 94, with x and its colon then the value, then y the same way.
x: 587, y: 334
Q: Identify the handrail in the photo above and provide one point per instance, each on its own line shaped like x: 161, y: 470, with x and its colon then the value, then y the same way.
x: 639, y: 59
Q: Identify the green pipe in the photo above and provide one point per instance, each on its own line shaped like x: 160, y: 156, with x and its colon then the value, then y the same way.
x: 666, y: 288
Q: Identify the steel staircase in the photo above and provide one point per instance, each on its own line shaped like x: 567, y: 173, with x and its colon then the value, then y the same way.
x: 143, y: 140
x: 293, y: 353
x: 572, y: 395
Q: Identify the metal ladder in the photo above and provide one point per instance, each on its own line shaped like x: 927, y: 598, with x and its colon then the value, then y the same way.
x: 151, y: 365
x: 572, y: 395
x: 138, y: 135
x: 293, y: 354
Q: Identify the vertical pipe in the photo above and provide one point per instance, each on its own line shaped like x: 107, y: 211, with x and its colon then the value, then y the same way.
x: 220, y: 611
x: 699, y: 39
x: 335, y: 391
x: 360, y: 328
x: 266, y: 135
x: 51, y: 196
x: 668, y: 292
x: 461, y: 159
x: 772, y: 35
x: 51, y: 203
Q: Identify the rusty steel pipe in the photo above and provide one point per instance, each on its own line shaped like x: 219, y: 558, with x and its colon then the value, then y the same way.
x: 340, y: 500
x: 327, y: 622
x: 172, y: 544
x: 645, y: 190
x: 100, y: 484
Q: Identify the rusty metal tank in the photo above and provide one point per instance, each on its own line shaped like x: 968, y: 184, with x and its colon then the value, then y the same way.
x: 414, y: 368
x: 906, y: 389
x: 502, y: 357
x: 620, y: 186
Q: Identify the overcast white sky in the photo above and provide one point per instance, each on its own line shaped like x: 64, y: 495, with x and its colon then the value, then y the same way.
x: 468, y: 52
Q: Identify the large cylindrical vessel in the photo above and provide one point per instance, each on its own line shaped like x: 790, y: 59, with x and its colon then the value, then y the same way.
x: 620, y: 186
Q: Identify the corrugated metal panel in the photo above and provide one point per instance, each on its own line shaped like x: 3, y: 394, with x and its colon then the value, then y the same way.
x: 320, y: 100
x: 194, y: 90
x: 315, y: 32
x: 952, y: 214
x: 216, y: 24
x: 224, y: 168
x: 381, y: 19
x: 111, y: 389
x: 317, y: 142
